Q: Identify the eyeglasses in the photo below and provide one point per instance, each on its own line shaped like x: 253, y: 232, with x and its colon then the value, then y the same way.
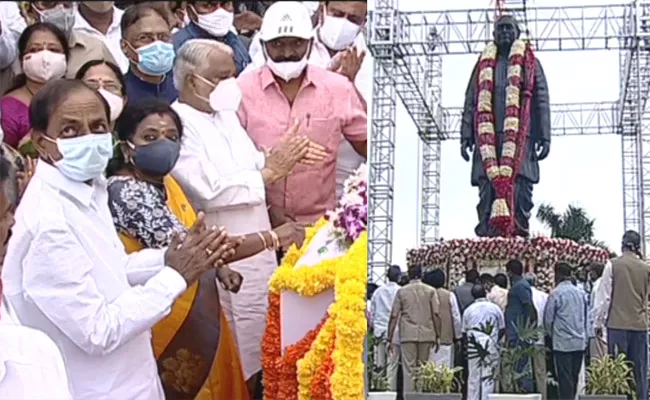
x: 112, y: 87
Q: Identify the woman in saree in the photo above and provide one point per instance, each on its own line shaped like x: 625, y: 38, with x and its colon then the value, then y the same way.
x: 194, y: 346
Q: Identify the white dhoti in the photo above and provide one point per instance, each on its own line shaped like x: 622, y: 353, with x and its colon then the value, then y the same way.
x: 246, y: 310
x: 480, y: 382
x: 444, y: 355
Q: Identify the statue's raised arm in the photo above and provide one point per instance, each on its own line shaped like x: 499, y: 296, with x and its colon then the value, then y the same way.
x: 506, y: 123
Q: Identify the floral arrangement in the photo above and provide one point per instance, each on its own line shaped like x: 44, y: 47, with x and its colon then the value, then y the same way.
x: 327, y: 363
x: 502, y: 170
x: 350, y: 218
x: 539, y: 254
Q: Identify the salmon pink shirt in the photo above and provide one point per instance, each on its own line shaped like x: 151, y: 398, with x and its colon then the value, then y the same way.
x: 328, y: 107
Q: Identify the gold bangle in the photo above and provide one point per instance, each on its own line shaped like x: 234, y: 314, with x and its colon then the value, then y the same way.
x: 276, y: 240
x: 266, y: 245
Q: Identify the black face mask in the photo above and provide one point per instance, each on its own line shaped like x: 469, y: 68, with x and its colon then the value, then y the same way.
x: 157, y: 158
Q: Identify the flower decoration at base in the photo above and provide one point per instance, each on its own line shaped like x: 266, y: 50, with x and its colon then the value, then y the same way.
x: 539, y: 255
x: 327, y: 363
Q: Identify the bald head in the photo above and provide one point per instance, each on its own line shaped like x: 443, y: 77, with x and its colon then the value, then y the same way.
x: 506, y: 31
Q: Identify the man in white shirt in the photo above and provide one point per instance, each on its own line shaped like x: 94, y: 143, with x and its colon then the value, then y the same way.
x: 380, y: 307
x: 101, y: 19
x: 479, y: 318
x: 539, y: 363
x: 451, y: 329
x: 31, y: 366
x: 66, y: 272
x: 597, y: 344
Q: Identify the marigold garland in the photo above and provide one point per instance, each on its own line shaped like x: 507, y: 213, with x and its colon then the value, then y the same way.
x: 272, y: 347
x: 320, y: 387
x: 320, y: 351
x: 347, y: 382
x: 287, y: 382
x: 348, y: 275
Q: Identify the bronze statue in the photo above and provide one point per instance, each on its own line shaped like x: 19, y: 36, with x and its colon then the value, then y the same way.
x: 506, y: 123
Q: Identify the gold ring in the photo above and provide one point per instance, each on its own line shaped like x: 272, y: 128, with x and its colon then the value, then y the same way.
x: 209, y: 252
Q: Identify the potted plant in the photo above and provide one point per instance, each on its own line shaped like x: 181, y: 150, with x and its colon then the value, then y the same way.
x: 608, y: 378
x: 435, y: 381
x: 377, y: 379
x: 506, y: 370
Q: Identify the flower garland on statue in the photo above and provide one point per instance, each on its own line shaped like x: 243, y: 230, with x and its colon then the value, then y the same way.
x: 502, y: 172
x: 340, y: 336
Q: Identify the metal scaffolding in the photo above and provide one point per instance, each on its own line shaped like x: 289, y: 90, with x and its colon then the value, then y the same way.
x: 408, y: 49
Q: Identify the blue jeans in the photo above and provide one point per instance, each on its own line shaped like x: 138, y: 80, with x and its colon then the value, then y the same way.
x: 634, y: 344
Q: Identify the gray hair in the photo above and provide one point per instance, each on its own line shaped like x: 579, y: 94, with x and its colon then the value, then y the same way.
x: 531, y: 278
x: 192, y: 56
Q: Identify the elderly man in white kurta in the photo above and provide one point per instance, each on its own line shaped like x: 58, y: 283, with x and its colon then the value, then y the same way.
x: 223, y: 174
x: 335, y: 35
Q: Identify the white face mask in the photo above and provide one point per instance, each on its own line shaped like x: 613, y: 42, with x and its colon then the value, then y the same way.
x: 286, y: 70
x: 115, y: 103
x: 44, y: 65
x: 226, y: 96
x: 337, y: 33
x: 217, y: 23
x: 60, y: 16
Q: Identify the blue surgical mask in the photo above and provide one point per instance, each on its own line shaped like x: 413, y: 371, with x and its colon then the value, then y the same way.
x: 84, y: 157
x: 156, y: 58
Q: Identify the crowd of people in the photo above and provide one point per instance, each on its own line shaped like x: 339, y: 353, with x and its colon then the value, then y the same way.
x: 592, y: 311
x: 157, y: 159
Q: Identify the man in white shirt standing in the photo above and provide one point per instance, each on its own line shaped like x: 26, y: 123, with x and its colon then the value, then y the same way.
x: 31, y: 366
x: 381, y: 304
x: 66, y: 272
x: 539, y: 363
x: 597, y: 344
x: 484, y: 325
x: 451, y: 329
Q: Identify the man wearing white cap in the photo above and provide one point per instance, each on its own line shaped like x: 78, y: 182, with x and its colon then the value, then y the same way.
x: 286, y: 88
x: 340, y: 46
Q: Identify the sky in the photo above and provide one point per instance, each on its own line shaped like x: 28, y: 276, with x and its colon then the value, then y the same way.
x: 583, y: 171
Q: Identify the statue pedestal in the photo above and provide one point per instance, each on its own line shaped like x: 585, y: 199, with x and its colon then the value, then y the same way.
x: 538, y: 254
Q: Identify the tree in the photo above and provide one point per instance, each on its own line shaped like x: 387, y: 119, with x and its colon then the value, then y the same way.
x: 573, y: 224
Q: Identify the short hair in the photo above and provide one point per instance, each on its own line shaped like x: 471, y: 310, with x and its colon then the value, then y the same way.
x: 415, y: 272
x: 51, y: 95
x: 501, y: 280
x: 486, y: 278
x: 632, y: 241
x: 515, y: 267
x: 597, y: 267
x: 81, y: 73
x: 134, y: 13
x: 531, y: 278
x: 192, y: 56
x: 471, y: 276
x: 563, y: 270
x: 370, y: 290
x: 435, y: 278
x: 478, y: 291
x: 127, y: 124
x: 394, y: 273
